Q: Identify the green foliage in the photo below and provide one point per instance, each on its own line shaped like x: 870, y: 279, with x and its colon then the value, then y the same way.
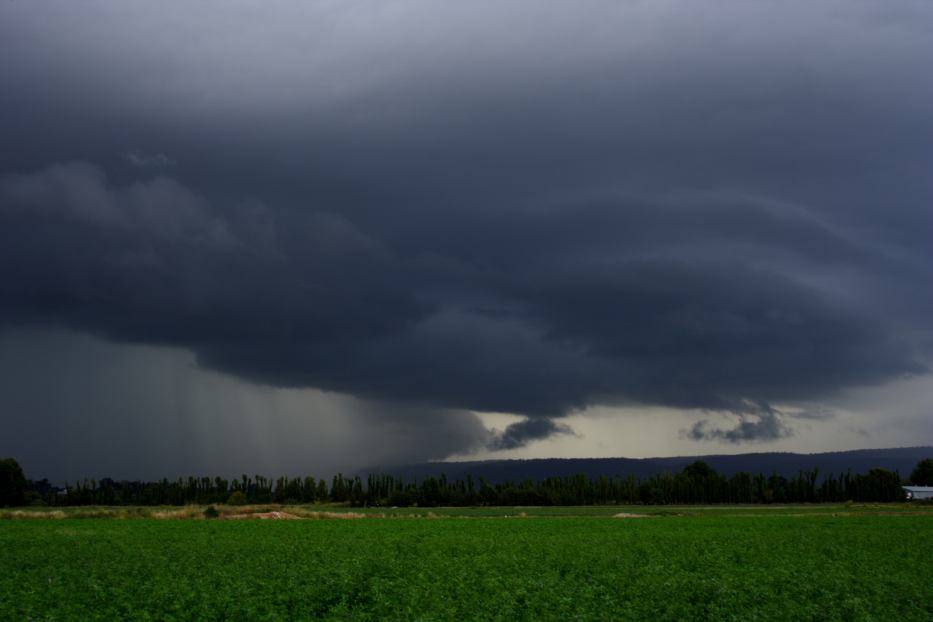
x: 12, y: 483
x: 236, y: 498
x: 211, y: 512
x: 699, y: 470
x: 696, y: 484
x: 922, y: 475
x: 781, y: 567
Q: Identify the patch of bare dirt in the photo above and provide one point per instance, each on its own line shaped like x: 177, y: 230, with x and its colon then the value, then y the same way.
x: 263, y: 516
x: 629, y: 515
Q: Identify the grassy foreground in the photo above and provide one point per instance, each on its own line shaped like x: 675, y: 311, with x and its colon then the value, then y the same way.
x: 716, y: 564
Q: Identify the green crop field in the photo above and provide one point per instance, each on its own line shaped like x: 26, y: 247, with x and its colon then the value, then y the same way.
x: 719, y: 564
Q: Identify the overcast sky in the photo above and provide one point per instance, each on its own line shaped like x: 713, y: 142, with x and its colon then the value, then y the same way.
x: 295, y: 237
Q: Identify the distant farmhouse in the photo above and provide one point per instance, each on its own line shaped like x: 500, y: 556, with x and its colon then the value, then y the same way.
x: 918, y: 492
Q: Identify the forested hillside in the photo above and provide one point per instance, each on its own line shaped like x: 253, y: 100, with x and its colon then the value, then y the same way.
x: 788, y: 465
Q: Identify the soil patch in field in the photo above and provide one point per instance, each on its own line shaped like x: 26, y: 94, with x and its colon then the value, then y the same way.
x: 301, y: 515
x: 262, y: 516
x: 629, y: 515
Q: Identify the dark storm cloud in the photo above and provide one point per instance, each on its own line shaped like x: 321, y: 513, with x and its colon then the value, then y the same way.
x: 538, y: 318
x: 757, y: 423
x: 523, y: 432
x: 751, y: 428
x: 498, y: 209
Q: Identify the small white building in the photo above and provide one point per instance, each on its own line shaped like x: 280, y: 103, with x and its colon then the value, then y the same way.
x: 918, y: 492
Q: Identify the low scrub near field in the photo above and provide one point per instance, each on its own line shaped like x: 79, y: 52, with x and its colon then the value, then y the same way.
x: 852, y: 566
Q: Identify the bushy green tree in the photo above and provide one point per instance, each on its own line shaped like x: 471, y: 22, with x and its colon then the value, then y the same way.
x: 922, y: 475
x: 236, y: 498
x: 699, y: 470
x: 12, y: 483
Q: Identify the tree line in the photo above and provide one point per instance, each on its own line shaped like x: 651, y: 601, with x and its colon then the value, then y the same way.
x: 697, y: 483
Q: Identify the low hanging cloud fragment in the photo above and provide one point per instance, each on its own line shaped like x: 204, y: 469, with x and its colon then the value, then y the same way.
x: 523, y: 432
x: 758, y: 423
x: 750, y: 429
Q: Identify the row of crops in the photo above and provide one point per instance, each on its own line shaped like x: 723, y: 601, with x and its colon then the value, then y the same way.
x: 819, y: 566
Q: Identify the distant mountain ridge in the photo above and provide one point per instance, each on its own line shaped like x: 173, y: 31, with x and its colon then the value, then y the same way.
x: 900, y: 459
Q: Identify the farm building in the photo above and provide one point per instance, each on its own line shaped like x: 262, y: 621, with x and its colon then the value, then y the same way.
x: 919, y: 492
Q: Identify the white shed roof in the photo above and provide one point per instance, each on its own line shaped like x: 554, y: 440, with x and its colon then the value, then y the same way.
x: 919, y: 488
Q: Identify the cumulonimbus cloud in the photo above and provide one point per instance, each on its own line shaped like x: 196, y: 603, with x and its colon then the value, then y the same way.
x: 313, y: 300
x: 507, y: 227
